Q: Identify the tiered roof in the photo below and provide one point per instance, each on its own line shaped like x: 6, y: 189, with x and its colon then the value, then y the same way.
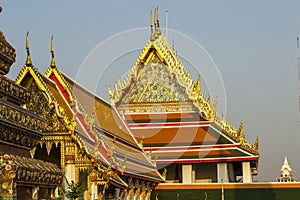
x: 93, y: 123
x: 162, y: 103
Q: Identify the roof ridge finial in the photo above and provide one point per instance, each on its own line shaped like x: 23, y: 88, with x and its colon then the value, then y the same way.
x: 151, y: 26
x: 173, y: 44
x: 151, y: 22
x: 285, y: 160
x: 52, y: 53
x: 28, y: 60
x: 158, y: 28
x: 155, y: 19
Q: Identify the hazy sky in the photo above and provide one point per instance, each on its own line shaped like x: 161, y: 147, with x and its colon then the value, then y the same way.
x: 253, y: 44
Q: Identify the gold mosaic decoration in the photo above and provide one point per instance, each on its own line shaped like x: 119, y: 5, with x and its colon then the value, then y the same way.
x: 155, y: 84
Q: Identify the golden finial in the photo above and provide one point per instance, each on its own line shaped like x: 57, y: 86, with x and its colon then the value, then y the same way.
x: 142, y: 142
x: 151, y: 22
x: 208, y: 99
x: 28, y: 60
x: 213, y: 109
x: 256, y: 146
x: 239, y: 135
x: 155, y: 18
x: 198, y: 84
x: 52, y: 53
x: 111, y: 94
x: 173, y: 44
x: 157, y: 21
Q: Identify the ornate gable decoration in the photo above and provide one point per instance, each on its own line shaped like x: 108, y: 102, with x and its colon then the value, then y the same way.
x: 155, y: 84
x: 49, y: 108
x: 39, y: 105
x: 158, y: 65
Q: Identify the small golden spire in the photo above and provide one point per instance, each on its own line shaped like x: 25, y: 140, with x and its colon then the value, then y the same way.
x: 155, y: 18
x: 157, y: 21
x: 52, y: 53
x: 28, y: 60
x: 240, y: 130
x: 198, y: 84
x: 173, y: 44
x: 256, y: 145
x: 151, y: 22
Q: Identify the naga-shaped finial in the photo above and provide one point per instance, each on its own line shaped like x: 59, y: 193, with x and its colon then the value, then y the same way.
x: 28, y: 60
x: 151, y: 22
x: 52, y: 53
x: 111, y: 94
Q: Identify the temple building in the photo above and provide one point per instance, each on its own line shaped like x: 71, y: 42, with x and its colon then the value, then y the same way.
x: 60, y: 141
x: 286, y: 173
x: 20, y: 131
x: 85, y: 137
x: 159, y: 137
x: 180, y: 128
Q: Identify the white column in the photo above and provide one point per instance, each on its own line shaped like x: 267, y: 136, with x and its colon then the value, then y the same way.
x: 186, y: 173
x: 231, y: 173
x: 69, y: 174
x: 222, y: 172
x: 94, y: 191
x: 247, y: 174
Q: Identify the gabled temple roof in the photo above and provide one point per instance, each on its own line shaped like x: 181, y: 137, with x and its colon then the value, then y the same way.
x: 50, y: 90
x: 112, y: 131
x: 158, y: 84
x: 99, y: 128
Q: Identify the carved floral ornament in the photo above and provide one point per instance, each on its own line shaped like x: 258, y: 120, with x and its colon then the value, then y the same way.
x: 7, y: 174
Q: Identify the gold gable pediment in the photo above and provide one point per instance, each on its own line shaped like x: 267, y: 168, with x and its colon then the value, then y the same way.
x: 39, y: 105
x: 155, y: 84
x: 159, y: 83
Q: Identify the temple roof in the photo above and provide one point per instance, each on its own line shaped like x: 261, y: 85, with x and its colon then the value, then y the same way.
x: 27, y: 170
x: 159, y: 85
x: 109, y: 128
x: 100, y: 128
x: 36, y: 171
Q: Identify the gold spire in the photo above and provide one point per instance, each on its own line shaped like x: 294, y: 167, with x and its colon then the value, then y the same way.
x: 28, y: 60
x: 155, y: 18
x: 52, y: 53
x: 157, y: 21
x: 256, y: 144
x: 198, y: 84
x: 173, y: 44
x: 151, y: 22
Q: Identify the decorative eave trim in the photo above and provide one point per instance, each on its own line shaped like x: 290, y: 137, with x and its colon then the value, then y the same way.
x: 42, y: 86
x: 207, y: 160
x: 60, y: 78
x: 192, y: 148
